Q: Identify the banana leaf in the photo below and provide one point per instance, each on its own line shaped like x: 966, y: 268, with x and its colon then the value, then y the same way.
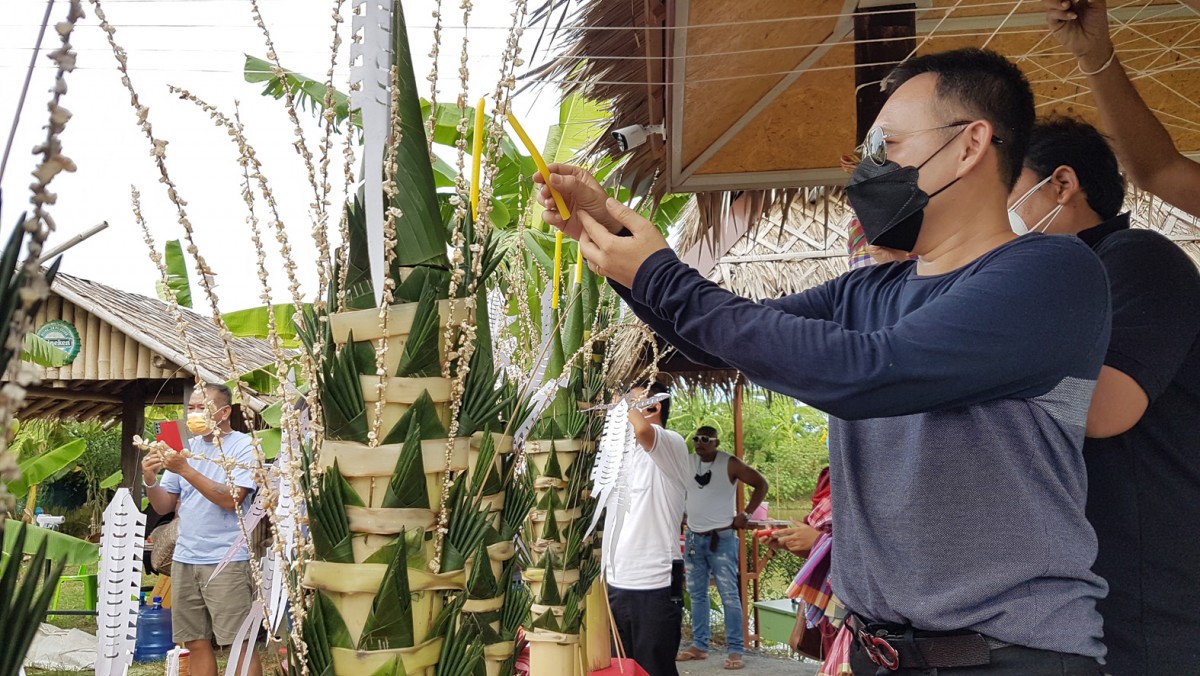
x: 414, y: 550
x: 420, y: 358
x: 406, y: 489
x: 11, y: 285
x: 480, y: 626
x: 37, y: 469
x: 71, y: 551
x: 177, y: 274
x: 572, y: 332
x: 550, y: 530
x: 22, y: 604
x: 307, y: 93
x: 39, y: 351
x: 419, y: 279
x: 550, y: 595
x: 547, y: 621
x: 550, y: 501
x: 421, y: 234
x: 390, y: 623
x: 482, y: 583
x: 518, y: 498
x: 255, y: 322
x: 112, y: 480
x: 553, y: 468
x: 423, y: 415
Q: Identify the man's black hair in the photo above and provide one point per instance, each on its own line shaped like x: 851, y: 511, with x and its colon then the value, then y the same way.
x: 985, y: 85
x: 1058, y: 141
x: 220, y: 394
x: 707, y: 430
x: 664, y: 406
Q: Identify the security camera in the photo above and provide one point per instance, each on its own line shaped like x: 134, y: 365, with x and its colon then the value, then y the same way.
x: 635, y: 135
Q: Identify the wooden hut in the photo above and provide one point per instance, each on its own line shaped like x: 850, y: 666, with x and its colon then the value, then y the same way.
x: 128, y: 354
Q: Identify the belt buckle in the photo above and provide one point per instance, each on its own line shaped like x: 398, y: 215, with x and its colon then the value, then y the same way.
x: 880, y: 651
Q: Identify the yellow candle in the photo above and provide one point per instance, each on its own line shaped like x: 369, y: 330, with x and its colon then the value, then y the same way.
x: 579, y: 268
x: 541, y: 165
x: 557, y: 269
x: 476, y: 158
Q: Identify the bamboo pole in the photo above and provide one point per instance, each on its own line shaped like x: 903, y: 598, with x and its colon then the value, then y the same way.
x: 91, y: 348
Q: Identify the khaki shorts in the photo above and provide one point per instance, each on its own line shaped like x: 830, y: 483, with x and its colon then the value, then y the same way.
x: 202, y: 610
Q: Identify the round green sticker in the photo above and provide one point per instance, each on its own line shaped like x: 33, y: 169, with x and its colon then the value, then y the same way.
x: 62, y: 335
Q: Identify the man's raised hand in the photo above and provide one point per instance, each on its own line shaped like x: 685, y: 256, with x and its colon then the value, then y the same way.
x: 618, y: 258
x: 580, y: 192
x: 1082, y: 28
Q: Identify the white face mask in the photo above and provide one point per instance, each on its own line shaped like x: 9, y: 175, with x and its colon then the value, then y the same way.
x: 1018, y: 224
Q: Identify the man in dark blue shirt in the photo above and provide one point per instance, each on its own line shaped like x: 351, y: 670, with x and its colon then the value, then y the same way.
x: 1143, y: 429
x: 958, y: 384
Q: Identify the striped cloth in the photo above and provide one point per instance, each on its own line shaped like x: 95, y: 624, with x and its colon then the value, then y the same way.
x: 856, y: 246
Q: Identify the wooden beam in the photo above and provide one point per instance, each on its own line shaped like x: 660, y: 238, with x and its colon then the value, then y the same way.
x: 64, y: 394
x: 133, y: 419
x: 883, y: 36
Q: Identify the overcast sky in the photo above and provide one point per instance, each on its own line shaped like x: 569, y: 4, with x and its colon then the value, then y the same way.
x: 200, y: 45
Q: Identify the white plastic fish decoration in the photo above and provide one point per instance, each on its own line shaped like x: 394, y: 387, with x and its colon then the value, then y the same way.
x: 122, y: 542
x: 606, y: 472
x: 371, y: 65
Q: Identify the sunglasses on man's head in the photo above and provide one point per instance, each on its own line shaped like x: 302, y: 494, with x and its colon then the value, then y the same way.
x: 703, y: 438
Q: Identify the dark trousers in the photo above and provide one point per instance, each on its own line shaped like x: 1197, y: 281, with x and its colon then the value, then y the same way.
x: 648, y: 622
x: 1009, y: 661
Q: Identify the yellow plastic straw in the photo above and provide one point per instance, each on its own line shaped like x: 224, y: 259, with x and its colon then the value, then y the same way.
x: 557, y: 268
x: 541, y: 165
x: 476, y: 158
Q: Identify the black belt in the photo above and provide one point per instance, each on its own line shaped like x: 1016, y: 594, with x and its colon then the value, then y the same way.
x: 899, y: 647
x: 715, y: 541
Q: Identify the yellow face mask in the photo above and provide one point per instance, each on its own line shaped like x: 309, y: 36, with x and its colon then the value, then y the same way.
x: 197, y: 423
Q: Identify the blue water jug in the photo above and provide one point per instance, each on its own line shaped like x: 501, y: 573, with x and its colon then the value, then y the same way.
x: 153, y: 633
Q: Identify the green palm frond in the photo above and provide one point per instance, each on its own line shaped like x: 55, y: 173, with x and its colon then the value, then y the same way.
x: 420, y: 357
x: 390, y: 624
x: 484, y: 465
x: 462, y: 653
x: 468, y: 527
x: 518, y: 498
x: 406, y: 489
x: 329, y: 525
x: 323, y: 630
x: 40, y: 351
x: 22, y: 603
x: 342, y: 400
x: 515, y: 611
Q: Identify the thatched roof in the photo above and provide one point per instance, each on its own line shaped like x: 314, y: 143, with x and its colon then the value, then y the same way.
x: 127, y: 338
x: 759, y: 96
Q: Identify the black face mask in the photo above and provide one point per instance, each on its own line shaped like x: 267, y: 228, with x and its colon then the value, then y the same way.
x: 889, y: 204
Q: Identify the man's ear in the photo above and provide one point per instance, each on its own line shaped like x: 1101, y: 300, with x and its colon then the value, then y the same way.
x: 1065, y: 183
x: 978, y: 137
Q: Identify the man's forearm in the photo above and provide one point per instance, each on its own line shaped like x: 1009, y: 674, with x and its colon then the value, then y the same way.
x: 159, y: 498
x: 757, y: 497
x: 1140, y: 140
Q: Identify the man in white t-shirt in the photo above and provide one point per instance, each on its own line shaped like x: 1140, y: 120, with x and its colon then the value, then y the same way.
x: 642, y: 561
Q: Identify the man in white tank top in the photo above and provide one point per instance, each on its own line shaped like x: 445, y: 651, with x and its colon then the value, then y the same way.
x: 712, y: 542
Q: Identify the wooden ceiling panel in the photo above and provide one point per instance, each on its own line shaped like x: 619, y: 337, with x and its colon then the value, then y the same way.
x: 810, y: 126
x: 729, y: 68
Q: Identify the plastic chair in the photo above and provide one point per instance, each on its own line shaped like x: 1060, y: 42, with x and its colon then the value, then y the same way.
x: 90, y: 592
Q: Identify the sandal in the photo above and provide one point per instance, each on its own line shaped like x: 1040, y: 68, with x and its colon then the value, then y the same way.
x: 734, y: 661
x: 691, y: 653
